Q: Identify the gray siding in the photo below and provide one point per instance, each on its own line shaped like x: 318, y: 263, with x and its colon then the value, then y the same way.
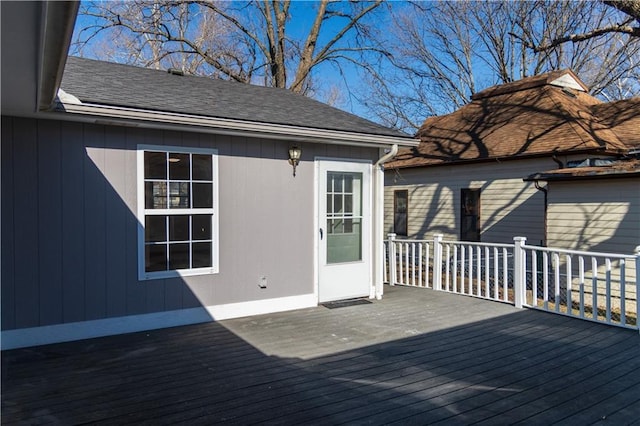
x: 509, y: 206
x: 69, y: 226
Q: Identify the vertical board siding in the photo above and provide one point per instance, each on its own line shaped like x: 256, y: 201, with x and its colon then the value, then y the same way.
x: 95, y: 224
x: 136, y: 294
x: 50, y: 223
x: 509, y: 206
x: 25, y: 198
x: 70, y: 230
x: 116, y: 224
x: 73, y: 219
x: 7, y: 273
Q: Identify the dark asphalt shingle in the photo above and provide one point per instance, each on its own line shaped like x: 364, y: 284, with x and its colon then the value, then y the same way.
x: 114, y: 84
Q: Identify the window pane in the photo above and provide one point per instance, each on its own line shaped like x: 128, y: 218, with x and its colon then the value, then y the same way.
x: 155, y: 195
x: 155, y: 165
x: 348, y: 226
x: 337, y: 182
x: 201, y: 227
x: 179, y: 256
x: 329, y: 204
x: 155, y: 257
x: 201, y: 255
x: 179, y: 195
x: 202, y: 167
x: 348, y: 183
x: 337, y: 203
x: 178, y: 228
x: 202, y: 195
x: 345, y: 247
x: 179, y: 166
x: 348, y: 204
x: 155, y: 229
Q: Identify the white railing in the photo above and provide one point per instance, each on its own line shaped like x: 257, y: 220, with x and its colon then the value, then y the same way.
x: 600, y: 287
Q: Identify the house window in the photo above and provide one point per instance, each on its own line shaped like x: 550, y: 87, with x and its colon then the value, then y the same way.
x: 470, y: 214
x: 177, y: 211
x: 400, y: 206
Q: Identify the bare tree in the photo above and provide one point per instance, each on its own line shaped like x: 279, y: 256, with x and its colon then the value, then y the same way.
x: 251, y: 42
x: 446, y: 51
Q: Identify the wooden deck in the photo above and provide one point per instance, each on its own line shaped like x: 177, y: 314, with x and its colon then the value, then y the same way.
x: 415, y: 357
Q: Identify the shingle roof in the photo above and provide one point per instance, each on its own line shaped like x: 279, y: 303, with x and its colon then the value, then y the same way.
x: 526, y: 118
x: 105, y: 83
x: 623, y: 118
x: 623, y: 168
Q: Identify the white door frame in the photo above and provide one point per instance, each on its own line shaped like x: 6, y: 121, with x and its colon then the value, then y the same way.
x: 367, y: 249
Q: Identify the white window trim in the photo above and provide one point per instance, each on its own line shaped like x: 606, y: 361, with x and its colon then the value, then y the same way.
x: 215, y: 234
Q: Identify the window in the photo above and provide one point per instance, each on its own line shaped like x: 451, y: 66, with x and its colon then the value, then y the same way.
x: 470, y: 214
x: 400, y: 206
x: 177, y: 211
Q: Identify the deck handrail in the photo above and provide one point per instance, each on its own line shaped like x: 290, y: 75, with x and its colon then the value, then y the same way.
x: 596, y: 286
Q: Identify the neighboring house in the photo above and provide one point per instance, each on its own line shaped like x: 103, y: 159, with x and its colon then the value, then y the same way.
x: 141, y: 199
x: 594, y: 206
x: 465, y: 180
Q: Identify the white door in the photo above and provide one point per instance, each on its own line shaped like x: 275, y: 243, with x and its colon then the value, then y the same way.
x: 344, y: 218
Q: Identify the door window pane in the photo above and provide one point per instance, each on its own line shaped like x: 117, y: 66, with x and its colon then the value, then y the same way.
x: 344, y: 223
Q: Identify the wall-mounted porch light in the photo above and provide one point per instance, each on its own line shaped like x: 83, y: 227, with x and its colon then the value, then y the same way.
x: 294, y: 157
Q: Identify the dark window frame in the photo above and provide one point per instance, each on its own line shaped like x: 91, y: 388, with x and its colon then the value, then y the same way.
x: 400, y: 227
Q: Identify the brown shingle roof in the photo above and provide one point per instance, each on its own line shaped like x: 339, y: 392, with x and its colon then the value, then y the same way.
x: 526, y: 118
x: 623, y: 118
x: 622, y: 168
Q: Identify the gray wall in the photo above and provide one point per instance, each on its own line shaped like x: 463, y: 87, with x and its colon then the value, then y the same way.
x: 69, y: 228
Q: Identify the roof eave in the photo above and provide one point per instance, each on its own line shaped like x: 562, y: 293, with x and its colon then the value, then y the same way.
x: 106, y: 114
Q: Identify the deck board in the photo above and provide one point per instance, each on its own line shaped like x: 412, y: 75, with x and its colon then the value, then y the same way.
x: 415, y: 357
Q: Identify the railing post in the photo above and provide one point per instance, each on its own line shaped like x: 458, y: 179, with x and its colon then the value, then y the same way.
x: 519, y: 271
x: 637, y: 253
x: 437, y: 262
x: 392, y: 259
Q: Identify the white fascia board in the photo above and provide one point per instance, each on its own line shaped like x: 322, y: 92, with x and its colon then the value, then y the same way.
x: 167, y: 120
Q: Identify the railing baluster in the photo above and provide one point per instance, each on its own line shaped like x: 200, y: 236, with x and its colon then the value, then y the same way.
x: 545, y: 279
x: 401, y: 263
x: 447, y: 267
x: 462, y: 268
x: 385, y: 253
x: 608, y: 291
x: 427, y: 263
x: 505, y: 276
x: 594, y: 285
x: 581, y: 284
x: 556, y: 270
x: 478, y: 272
x: 487, y: 267
x: 568, y: 290
x: 420, y: 281
x: 413, y: 264
x: 496, y: 277
x: 455, y: 268
x: 623, y: 284
x: 534, y: 278
x: 406, y: 263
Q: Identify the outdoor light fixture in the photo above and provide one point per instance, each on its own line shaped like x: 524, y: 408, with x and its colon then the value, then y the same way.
x: 294, y: 157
